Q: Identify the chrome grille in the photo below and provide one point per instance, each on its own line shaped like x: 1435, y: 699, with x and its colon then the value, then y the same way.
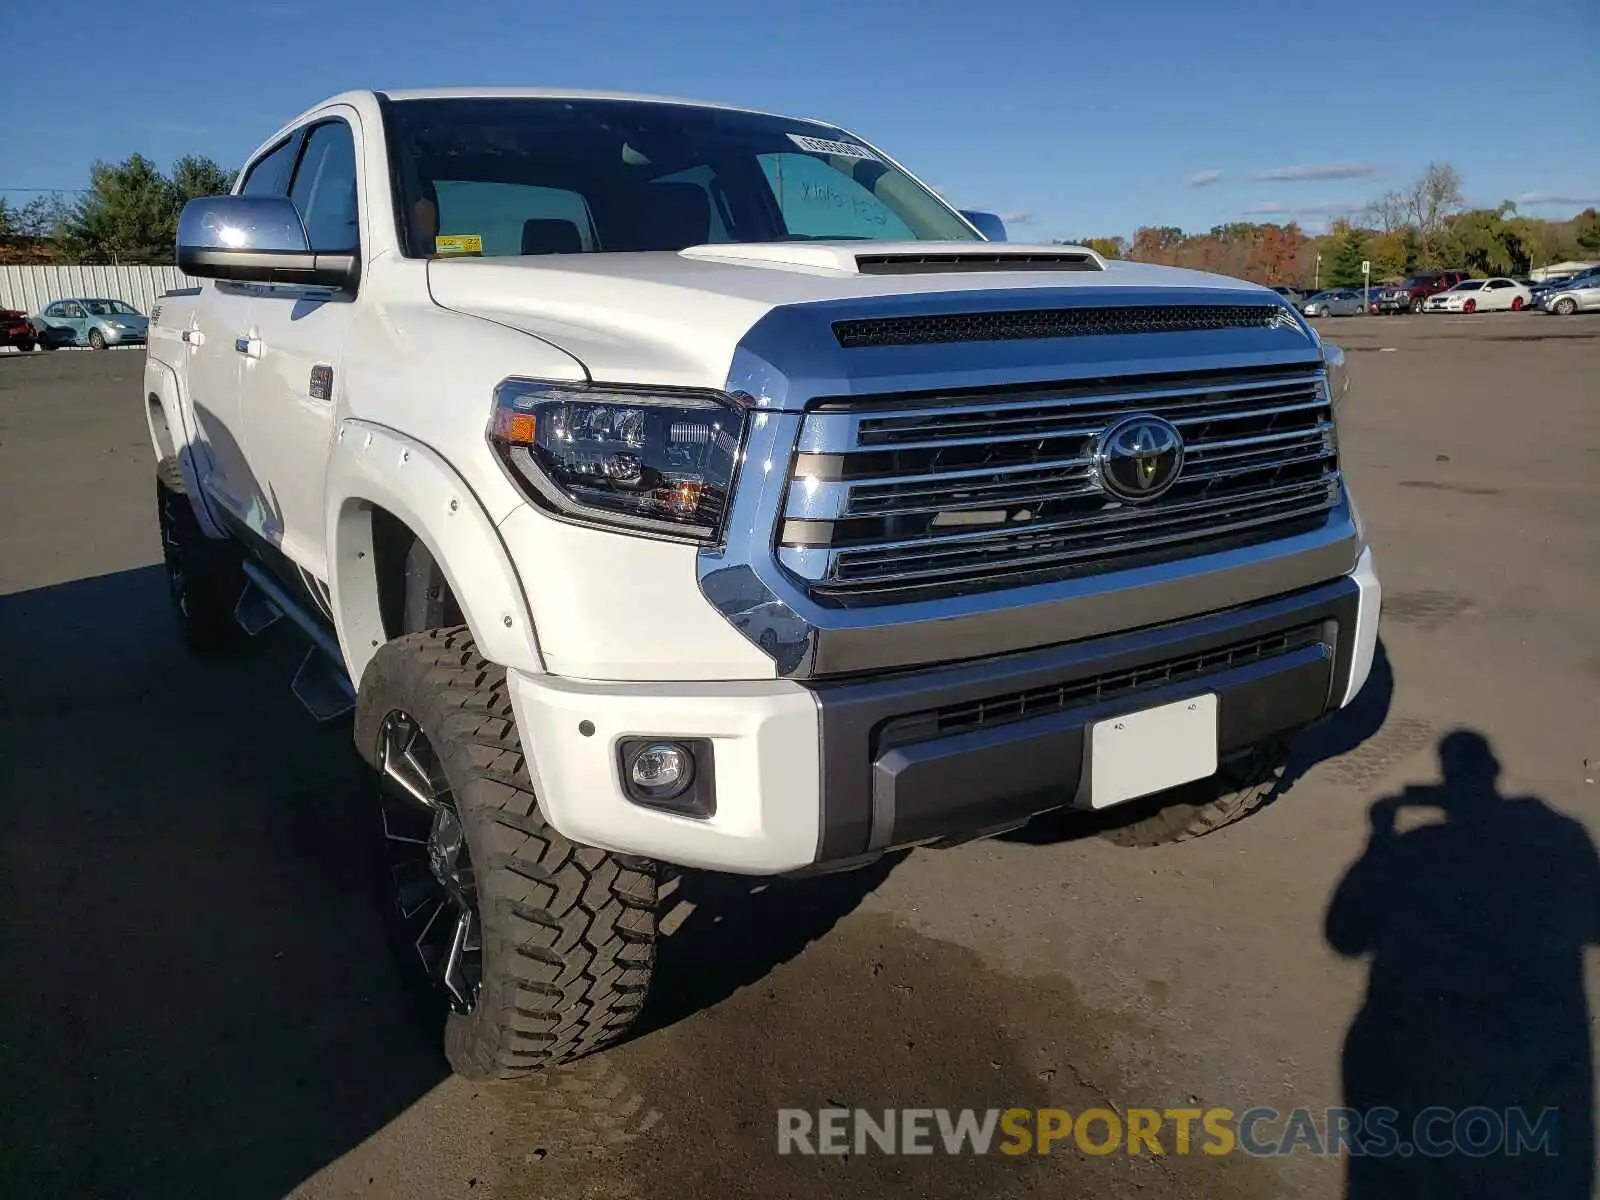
x: 893, y: 496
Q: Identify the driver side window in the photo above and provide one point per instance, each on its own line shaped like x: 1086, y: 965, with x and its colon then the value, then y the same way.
x: 324, y: 189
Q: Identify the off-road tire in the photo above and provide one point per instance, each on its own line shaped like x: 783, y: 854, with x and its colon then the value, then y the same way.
x: 204, y: 575
x: 568, y: 931
x: 1240, y: 787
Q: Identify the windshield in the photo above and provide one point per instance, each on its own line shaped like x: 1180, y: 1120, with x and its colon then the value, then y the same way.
x: 501, y: 176
x: 109, y: 308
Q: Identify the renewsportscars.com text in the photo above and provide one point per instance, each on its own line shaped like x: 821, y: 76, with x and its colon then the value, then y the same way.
x: 1259, y: 1132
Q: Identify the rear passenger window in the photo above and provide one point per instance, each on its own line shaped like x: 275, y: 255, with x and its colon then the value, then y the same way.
x: 324, y: 189
x: 270, y: 175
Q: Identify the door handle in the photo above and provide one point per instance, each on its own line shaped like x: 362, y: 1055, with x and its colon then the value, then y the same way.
x: 250, y: 347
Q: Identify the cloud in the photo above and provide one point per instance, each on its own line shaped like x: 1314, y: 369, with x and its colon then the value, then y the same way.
x: 1319, y: 171
x: 1204, y: 178
x: 1017, y: 218
x: 1570, y: 200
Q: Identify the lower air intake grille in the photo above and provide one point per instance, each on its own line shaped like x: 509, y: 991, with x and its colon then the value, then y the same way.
x: 1018, y: 706
x: 1053, y: 323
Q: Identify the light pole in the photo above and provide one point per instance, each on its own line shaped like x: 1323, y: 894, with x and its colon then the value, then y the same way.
x: 1316, y: 275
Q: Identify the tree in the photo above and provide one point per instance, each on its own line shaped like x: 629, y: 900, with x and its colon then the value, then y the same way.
x: 1107, y: 247
x: 1588, y: 230
x: 195, y: 175
x: 1154, y: 244
x: 1389, y: 212
x: 1390, y: 254
x: 1431, y: 199
x: 1349, y: 251
x: 131, y: 211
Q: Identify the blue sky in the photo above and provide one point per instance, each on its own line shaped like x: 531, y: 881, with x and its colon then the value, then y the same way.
x: 1073, y: 118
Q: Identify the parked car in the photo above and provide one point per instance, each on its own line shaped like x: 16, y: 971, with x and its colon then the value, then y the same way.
x: 90, y: 322
x: 1481, y: 295
x: 1411, y: 294
x: 487, y: 430
x: 16, y: 330
x: 1294, y: 295
x: 1335, y: 302
x: 1543, y: 290
x: 1582, y: 297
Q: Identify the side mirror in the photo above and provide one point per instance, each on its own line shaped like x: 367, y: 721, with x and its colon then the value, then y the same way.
x: 988, y: 224
x: 255, y: 239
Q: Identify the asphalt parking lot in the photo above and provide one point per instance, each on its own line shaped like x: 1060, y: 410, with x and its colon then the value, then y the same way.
x: 200, y: 1002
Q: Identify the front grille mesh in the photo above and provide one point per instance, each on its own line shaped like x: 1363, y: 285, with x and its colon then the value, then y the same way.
x: 1053, y: 323
x: 895, y: 499
x: 1058, y: 697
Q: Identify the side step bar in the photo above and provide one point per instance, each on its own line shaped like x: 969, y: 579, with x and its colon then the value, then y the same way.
x: 321, y: 684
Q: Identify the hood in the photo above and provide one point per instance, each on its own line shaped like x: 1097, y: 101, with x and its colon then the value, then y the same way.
x: 675, y: 319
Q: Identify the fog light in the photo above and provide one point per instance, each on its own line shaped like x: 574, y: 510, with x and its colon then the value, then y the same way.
x: 661, y: 771
x: 676, y: 776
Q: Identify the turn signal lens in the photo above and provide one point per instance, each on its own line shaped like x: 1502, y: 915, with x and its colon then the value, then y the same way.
x: 644, y: 459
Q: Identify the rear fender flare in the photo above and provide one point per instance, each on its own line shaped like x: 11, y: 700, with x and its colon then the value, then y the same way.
x: 372, y: 465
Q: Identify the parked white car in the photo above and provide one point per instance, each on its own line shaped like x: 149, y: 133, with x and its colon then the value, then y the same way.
x: 1482, y: 295
x: 1568, y: 300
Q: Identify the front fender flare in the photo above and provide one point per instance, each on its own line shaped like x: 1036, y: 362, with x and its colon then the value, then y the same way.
x: 372, y: 465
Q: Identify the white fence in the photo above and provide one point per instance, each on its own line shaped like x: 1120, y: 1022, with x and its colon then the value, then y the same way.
x: 30, y: 288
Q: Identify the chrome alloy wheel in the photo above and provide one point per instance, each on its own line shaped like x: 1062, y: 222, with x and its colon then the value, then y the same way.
x: 435, y: 892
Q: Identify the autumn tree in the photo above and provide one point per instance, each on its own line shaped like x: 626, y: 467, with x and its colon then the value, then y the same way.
x: 1107, y: 247
x: 1157, y: 244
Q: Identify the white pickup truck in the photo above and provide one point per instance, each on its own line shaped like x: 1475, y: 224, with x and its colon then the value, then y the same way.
x: 663, y: 483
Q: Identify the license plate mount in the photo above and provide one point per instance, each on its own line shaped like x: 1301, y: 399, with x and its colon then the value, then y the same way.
x: 1147, y: 751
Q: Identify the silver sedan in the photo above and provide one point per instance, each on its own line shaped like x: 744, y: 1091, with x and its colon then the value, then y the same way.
x: 1565, y: 301
x: 1336, y: 302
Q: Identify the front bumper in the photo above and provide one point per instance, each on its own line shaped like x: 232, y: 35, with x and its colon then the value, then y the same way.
x: 827, y: 772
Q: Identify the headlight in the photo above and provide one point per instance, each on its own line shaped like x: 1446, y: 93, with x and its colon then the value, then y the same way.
x: 658, y: 460
x: 1338, y: 372
x: 115, y: 325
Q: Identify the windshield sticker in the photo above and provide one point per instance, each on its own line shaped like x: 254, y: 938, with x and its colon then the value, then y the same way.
x: 458, y: 243
x: 823, y: 146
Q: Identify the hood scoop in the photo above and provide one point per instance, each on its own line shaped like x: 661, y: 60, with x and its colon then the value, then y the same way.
x: 901, y: 258
x: 926, y: 264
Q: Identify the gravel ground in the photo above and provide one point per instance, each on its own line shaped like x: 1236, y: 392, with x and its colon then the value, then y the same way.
x: 201, y: 1003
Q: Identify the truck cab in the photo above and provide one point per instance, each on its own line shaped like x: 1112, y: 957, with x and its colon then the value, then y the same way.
x: 662, y: 485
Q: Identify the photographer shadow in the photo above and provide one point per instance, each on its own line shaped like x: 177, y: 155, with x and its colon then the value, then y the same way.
x: 1474, y: 925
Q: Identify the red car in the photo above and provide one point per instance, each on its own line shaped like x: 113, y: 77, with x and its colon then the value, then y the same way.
x: 1413, y: 293
x: 16, y: 330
